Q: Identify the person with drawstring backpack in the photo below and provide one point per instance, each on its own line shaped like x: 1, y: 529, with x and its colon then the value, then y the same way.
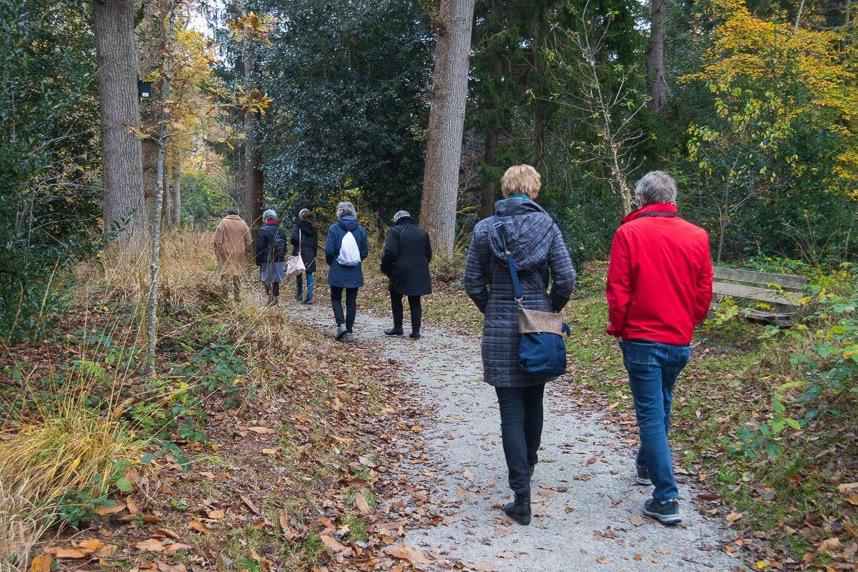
x: 345, y: 249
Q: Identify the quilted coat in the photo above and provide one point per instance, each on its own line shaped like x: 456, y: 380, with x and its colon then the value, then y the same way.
x: 541, y: 256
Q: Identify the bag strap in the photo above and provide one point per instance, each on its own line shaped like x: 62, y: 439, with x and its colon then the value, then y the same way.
x: 513, y: 270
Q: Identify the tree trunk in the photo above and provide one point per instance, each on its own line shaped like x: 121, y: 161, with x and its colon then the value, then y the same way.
x: 155, y: 260
x: 446, y: 122
x: 177, y: 195
x: 253, y: 179
x: 121, y: 157
x: 150, y: 176
x: 167, y: 210
x: 656, y: 59
x: 489, y: 184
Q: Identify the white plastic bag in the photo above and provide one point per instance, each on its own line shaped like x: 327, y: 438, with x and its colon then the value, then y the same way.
x: 349, y: 251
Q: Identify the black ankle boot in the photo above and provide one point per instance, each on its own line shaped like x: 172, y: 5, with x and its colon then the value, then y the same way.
x: 519, y: 509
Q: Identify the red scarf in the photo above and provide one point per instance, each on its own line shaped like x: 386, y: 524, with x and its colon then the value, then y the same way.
x: 271, y: 221
x: 669, y: 207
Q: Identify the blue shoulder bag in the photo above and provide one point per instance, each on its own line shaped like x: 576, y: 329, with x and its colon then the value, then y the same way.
x: 541, y: 351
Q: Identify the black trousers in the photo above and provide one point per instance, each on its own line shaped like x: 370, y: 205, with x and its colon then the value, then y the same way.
x: 272, y: 289
x: 351, y: 306
x: 521, y: 429
x: 398, y: 311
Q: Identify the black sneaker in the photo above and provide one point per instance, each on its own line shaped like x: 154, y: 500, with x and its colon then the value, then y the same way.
x: 414, y: 335
x: 394, y: 332
x: 341, y: 331
x: 643, y: 476
x: 666, y: 512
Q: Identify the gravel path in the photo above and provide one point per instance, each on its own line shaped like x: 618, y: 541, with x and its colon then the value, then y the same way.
x: 587, y: 509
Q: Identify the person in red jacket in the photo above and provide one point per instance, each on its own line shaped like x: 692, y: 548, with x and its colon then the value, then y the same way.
x: 659, y: 288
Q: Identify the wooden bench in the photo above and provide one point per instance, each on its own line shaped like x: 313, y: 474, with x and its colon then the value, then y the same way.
x: 781, y: 291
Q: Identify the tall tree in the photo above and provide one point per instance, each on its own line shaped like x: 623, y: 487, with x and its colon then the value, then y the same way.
x: 656, y: 56
x: 122, y: 163
x: 351, y: 115
x: 446, y: 123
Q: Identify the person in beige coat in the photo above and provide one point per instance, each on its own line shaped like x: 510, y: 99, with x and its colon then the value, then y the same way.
x: 231, y: 243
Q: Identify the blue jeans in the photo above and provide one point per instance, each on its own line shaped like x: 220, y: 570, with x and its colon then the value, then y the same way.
x: 310, y: 283
x: 653, y: 369
x: 521, y: 429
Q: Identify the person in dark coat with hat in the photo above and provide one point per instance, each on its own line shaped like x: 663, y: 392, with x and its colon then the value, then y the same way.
x: 407, y: 254
x: 305, y: 241
x: 521, y: 229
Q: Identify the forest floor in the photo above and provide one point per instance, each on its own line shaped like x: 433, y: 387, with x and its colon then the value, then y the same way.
x: 263, y: 444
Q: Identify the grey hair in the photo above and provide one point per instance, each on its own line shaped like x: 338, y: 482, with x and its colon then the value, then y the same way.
x: 399, y: 215
x: 270, y: 214
x: 232, y: 210
x: 345, y: 208
x: 656, y: 187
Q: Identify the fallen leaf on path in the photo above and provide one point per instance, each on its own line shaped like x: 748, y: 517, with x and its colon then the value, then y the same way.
x: 462, y: 493
x: 164, y: 567
x: 847, y: 487
x: 89, y: 545
x: 217, y: 514
x: 199, y: 527
x: 734, y: 516
x: 269, y: 452
x: 361, y: 504
x: 178, y: 547
x: 416, y: 428
x: 67, y: 553
x: 165, y: 532
x: 337, y: 547
x: 636, y: 520
x: 405, y: 552
x: 151, y: 545
x: 260, y: 430
x: 482, y: 566
x: 830, y: 546
x: 41, y: 563
x: 250, y: 505
x: 108, y: 510
x: 132, y: 505
x: 105, y: 551
x: 288, y: 532
x: 602, y: 559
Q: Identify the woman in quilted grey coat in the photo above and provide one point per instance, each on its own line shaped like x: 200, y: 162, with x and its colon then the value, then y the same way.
x: 541, y: 256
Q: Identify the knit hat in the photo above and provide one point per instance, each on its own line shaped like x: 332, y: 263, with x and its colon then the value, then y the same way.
x: 399, y: 215
x: 270, y: 214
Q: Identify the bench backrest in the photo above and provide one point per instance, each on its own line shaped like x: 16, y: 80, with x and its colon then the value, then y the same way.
x: 782, y: 289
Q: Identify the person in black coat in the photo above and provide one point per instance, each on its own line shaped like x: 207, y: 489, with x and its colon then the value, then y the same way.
x: 305, y: 241
x: 407, y: 254
x: 271, y: 255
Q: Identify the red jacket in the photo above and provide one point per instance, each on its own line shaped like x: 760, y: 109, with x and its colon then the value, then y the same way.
x: 659, y: 277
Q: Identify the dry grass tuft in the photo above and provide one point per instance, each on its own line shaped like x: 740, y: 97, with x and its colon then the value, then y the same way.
x: 21, y: 526
x: 74, y: 449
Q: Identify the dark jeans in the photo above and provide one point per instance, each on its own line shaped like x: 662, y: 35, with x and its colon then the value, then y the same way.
x: 521, y: 428
x: 653, y: 369
x: 398, y: 311
x: 272, y: 288
x: 351, y: 306
x: 299, y: 281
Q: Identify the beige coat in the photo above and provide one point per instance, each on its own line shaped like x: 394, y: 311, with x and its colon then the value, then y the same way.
x: 231, y: 243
